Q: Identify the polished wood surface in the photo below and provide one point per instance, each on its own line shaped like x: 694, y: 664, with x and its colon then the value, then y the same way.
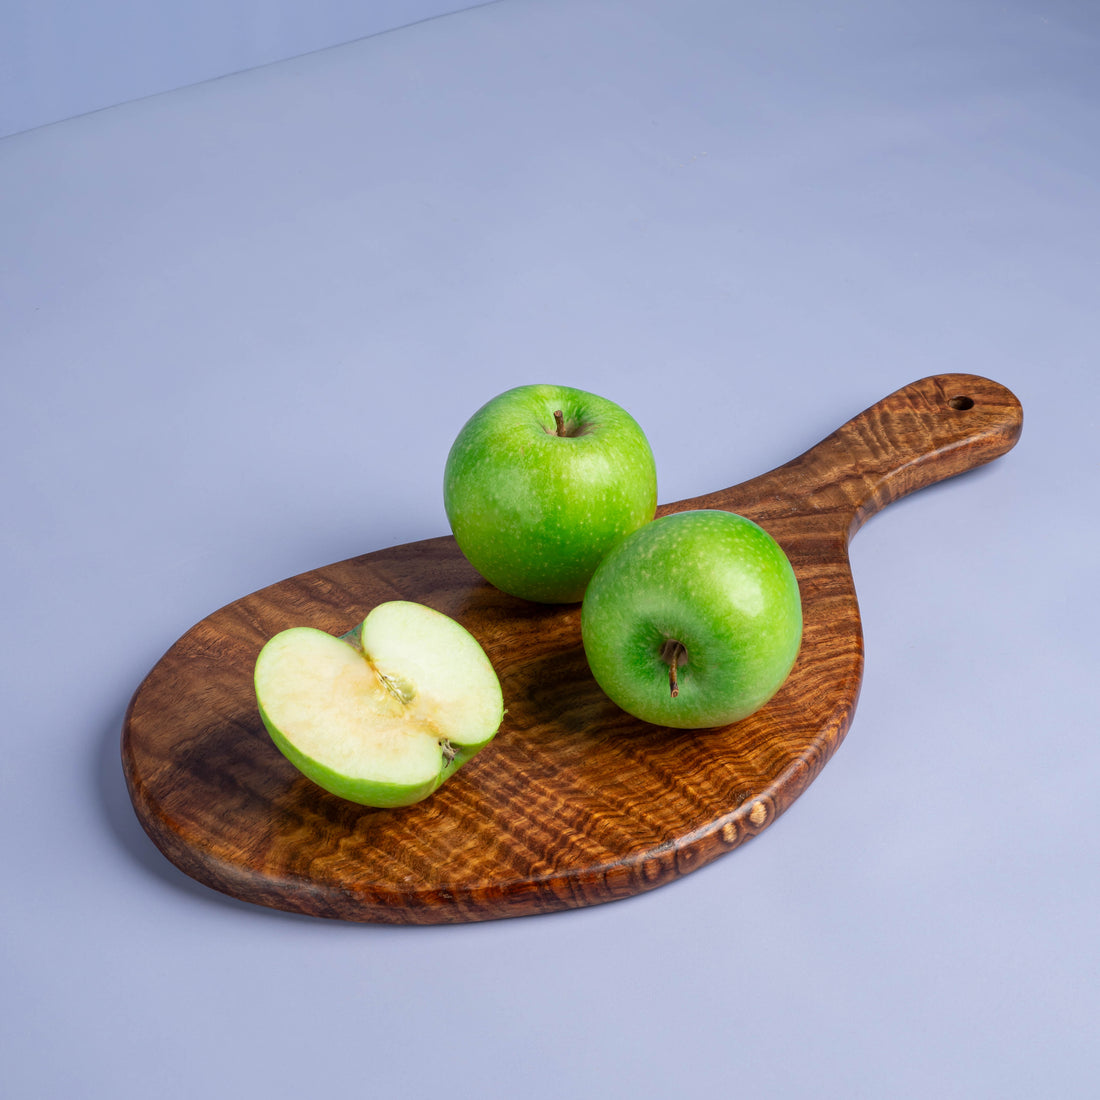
x: 574, y: 803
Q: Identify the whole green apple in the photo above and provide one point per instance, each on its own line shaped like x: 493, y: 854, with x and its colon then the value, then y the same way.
x: 541, y: 483
x: 385, y: 714
x: 693, y: 621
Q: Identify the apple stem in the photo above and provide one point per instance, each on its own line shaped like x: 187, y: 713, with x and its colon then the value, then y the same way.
x: 673, y: 653
x: 559, y: 421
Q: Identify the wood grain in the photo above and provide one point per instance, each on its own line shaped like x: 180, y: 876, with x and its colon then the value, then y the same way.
x: 574, y: 803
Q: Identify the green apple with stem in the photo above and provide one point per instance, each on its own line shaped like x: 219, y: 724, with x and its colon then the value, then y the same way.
x: 541, y: 482
x: 693, y: 621
x: 384, y: 714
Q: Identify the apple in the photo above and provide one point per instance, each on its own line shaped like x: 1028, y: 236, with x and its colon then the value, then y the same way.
x: 541, y: 482
x: 385, y: 714
x: 693, y: 621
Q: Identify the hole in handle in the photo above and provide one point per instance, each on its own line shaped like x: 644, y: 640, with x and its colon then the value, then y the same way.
x: 961, y: 403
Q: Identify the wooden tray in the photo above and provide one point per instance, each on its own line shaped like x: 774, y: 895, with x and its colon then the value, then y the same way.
x: 574, y: 803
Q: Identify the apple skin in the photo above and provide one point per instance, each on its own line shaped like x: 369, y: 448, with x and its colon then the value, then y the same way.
x: 535, y: 511
x: 713, y: 581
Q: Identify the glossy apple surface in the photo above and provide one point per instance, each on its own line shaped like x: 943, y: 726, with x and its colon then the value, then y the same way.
x: 541, y: 482
x: 385, y: 714
x: 693, y: 621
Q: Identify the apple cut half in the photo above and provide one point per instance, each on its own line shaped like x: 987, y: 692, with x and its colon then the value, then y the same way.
x: 385, y: 714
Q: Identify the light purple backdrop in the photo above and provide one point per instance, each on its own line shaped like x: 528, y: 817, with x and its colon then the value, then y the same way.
x: 239, y: 327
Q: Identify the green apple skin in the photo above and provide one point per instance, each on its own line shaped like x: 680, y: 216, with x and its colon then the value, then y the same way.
x: 386, y: 714
x: 717, y: 584
x: 535, y: 511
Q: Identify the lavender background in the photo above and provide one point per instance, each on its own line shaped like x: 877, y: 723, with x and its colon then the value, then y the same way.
x: 241, y: 323
x: 59, y: 59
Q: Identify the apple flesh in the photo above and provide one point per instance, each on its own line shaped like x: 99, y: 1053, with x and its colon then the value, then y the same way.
x: 693, y: 621
x: 541, y: 482
x: 385, y: 714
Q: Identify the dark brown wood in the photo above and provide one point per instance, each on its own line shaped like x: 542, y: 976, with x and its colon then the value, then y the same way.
x: 574, y: 803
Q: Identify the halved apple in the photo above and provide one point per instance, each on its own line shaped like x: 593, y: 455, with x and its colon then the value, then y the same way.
x: 385, y: 714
